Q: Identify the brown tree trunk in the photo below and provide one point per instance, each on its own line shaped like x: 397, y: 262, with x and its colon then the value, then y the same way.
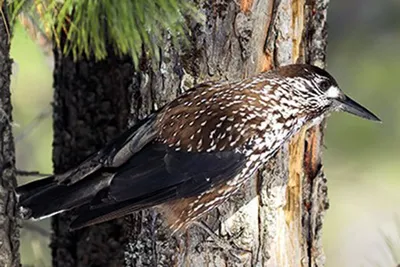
x: 280, y: 211
x: 9, y: 224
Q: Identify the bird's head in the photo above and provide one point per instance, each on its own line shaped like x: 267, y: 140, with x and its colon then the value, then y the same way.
x: 319, y: 92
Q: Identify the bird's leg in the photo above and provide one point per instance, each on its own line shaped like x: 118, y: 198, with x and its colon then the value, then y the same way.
x: 229, y: 248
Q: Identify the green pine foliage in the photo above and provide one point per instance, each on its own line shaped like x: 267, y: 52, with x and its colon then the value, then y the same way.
x: 129, y: 26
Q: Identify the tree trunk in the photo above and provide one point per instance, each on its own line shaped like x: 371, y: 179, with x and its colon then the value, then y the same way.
x: 91, y: 106
x: 279, y: 212
x: 9, y: 224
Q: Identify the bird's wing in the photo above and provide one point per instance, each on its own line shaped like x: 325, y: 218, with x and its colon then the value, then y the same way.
x: 118, y: 151
x: 114, y: 154
x: 158, y: 174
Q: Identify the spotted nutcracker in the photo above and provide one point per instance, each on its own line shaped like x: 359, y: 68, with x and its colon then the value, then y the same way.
x: 195, y: 152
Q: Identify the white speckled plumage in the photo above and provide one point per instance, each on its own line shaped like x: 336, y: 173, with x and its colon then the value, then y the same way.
x: 195, y: 152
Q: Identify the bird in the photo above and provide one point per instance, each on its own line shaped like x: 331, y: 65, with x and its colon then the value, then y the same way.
x: 194, y: 153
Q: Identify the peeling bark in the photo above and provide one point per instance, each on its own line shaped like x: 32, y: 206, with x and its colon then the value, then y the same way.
x: 279, y: 213
x: 9, y: 224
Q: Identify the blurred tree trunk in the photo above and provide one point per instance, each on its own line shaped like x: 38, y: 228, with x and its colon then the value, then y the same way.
x: 280, y: 211
x: 9, y: 224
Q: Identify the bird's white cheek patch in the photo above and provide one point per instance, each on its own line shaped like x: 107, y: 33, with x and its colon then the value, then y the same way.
x: 333, y: 92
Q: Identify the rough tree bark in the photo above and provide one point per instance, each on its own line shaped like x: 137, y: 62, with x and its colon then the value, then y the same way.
x: 279, y: 212
x: 9, y: 224
x: 91, y: 106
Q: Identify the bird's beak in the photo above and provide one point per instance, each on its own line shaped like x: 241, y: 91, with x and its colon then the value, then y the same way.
x: 347, y: 104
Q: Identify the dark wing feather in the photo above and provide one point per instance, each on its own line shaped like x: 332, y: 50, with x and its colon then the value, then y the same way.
x: 158, y: 174
x: 158, y: 167
x: 89, y: 216
x: 116, y: 153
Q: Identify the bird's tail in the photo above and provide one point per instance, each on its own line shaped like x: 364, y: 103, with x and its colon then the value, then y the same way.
x: 46, y: 197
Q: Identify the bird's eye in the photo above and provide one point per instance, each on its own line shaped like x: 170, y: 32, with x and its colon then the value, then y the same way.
x: 324, y: 85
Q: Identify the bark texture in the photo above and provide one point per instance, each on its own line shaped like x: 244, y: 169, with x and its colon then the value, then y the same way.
x: 9, y: 224
x: 91, y: 106
x: 279, y: 213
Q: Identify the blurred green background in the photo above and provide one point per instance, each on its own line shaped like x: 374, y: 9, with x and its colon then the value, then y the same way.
x: 362, y: 159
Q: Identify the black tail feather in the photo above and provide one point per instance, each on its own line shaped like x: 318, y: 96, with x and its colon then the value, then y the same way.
x: 31, y: 189
x: 45, y: 197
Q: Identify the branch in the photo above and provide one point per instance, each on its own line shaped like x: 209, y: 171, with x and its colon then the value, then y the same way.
x: 31, y: 173
x: 30, y: 226
x: 31, y: 126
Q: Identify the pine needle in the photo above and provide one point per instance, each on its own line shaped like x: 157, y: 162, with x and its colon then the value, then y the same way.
x: 128, y: 27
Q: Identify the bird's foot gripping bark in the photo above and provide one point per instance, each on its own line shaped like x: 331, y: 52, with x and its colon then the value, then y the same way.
x: 223, y: 242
